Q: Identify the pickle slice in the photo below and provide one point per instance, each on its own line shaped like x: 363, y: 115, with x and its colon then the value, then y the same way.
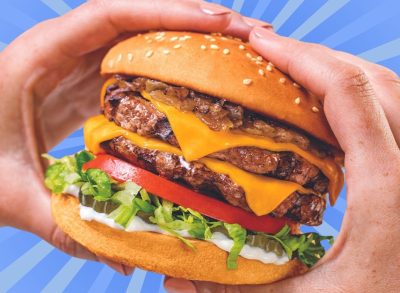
x: 265, y: 243
x: 105, y: 207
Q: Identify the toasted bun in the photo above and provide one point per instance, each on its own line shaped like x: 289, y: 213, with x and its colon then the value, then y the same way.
x: 164, y: 254
x: 221, y: 67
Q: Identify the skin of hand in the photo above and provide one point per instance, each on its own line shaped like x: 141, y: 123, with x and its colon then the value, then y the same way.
x: 50, y: 83
x: 361, y: 103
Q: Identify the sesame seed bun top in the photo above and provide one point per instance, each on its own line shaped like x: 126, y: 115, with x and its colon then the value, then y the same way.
x: 222, y: 67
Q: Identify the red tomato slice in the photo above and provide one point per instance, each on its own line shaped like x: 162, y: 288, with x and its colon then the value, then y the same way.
x: 213, y: 208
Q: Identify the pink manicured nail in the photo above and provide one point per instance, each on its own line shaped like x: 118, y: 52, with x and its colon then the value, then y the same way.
x: 255, y: 22
x: 262, y: 33
x: 214, y: 9
x: 179, y: 286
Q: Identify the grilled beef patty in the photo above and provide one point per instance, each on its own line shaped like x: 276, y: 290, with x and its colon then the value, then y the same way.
x: 134, y: 113
x: 303, y: 208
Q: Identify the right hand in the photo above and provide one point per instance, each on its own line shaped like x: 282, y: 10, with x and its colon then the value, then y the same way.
x: 362, y: 105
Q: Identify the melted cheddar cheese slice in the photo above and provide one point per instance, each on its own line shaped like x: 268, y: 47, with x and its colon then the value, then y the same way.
x: 197, y: 140
x: 263, y: 194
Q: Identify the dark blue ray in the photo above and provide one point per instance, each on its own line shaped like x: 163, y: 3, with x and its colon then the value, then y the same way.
x: 273, y: 9
x: 8, y: 32
x: 66, y: 152
x: 74, y: 3
x: 372, y: 38
x: 77, y: 133
x: 392, y: 63
x: 339, y: 19
x: 227, y: 3
x: 42, y: 273
x: 248, y: 7
x: 8, y: 232
x: 15, y: 16
x: 119, y: 283
x: 302, y: 13
x: 35, y: 9
x: 85, y: 278
x: 15, y: 246
x: 152, y: 283
x: 333, y: 217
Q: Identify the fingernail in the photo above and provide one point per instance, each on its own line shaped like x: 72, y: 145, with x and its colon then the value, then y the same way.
x: 127, y: 270
x: 179, y: 286
x: 262, y: 33
x: 214, y: 9
x: 257, y: 23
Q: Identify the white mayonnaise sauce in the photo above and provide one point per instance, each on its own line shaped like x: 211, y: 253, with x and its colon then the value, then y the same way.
x: 218, y: 239
x: 73, y: 190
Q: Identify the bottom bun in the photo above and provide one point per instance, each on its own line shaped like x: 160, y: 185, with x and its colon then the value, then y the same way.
x: 164, y: 254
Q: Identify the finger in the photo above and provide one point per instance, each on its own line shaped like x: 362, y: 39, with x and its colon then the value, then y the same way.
x: 174, y: 285
x: 255, y: 22
x: 80, y: 28
x: 350, y: 104
x: 120, y: 268
x: 386, y: 84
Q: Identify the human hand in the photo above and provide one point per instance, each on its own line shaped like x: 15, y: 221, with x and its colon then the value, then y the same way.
x: 49, y: 85
x: 361, y: 103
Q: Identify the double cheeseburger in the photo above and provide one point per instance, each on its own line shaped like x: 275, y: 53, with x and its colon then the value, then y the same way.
x: 203, y: 164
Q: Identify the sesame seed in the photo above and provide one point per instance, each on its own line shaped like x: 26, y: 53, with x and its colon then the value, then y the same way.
x: 159, y: 38
x: 146, y: 37
x: 297, y: 101
x: 259, y: 62
x: 259, y: 58
x: 149, y: 41
x: 166, y: 52
x: 296, y: 85
x: 173, y: 39
x: 315, y: 109
x: 313, y: 242
x: 270, y: 63
x: 130, y: 57
x: 241, y: 47
x: 317, y: 255
x: 182, y: 38
x: 162, y: 34
x: 212, y: 40
x: 111, y: 63
x: 149, y: 53
x: 119, y: 58
x: 208, y: 37
x: 248, y: 55
x: 247, y: 81
x: 177, y: 46
x: 224, y: 38
x: 238, y: 39
x: 254, y: 59
x: 226, y: 51
x: 216, y: 34
x: 214, y: 47
x: 261, y: 72
x: 282, y: 80
x: 269, y: 67
x: 188, y: 37
x: 203, y: 47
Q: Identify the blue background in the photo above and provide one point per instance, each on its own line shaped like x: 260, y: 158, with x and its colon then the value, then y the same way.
x: 367, y: 28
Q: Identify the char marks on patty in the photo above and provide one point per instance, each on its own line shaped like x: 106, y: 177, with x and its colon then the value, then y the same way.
x: 303, y: 208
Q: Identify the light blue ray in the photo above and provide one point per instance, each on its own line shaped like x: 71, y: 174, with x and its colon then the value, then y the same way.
x: 262, y: 5
x: 328, y: 9
x: 19, y: 268
x: 383, y: 52
x: 102, y: 281
x: 360, y: 25
x: 16, y: 17
x: 2, y: 46
x: 64, y: 276
x: 136, y: 283
x: 326, y: 229
x: 290, y: 7
x: 58, y: 6
x: 340, y: 204
x: 237, y: 5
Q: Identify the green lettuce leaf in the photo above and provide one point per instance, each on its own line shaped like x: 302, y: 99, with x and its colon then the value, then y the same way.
x: 238, y: 235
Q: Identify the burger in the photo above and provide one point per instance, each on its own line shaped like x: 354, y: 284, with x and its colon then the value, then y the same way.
x: 203, y: 164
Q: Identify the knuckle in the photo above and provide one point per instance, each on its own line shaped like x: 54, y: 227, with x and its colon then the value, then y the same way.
x: 353, y: 78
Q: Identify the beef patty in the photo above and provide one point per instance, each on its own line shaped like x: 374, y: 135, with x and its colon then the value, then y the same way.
x: 134, y: 113
x: 303, y: 208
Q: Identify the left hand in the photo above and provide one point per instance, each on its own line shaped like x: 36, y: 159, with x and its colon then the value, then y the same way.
x: 49, y: 84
